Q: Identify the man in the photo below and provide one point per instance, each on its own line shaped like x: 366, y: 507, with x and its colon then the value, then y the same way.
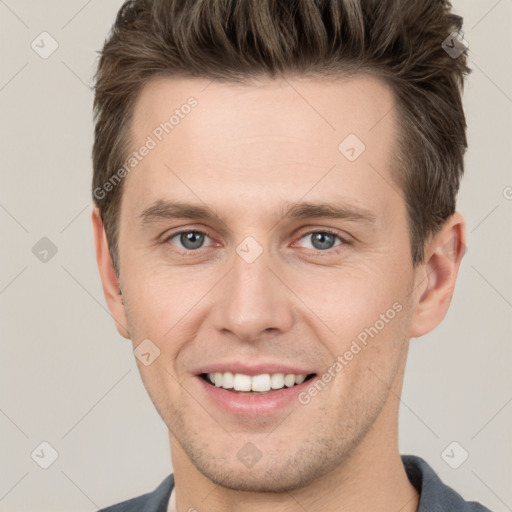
x: 275, y: 186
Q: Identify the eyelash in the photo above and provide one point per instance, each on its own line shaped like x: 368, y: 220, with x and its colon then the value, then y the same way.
x: 189, y: 252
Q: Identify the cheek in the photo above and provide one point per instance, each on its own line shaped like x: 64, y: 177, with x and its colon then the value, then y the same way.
x: 161, y: 295
x: 364, y: 318
x: 166, y: 306
x: 350, y: 299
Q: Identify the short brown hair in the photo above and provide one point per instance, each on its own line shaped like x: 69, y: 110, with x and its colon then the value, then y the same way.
x: 236, y: 40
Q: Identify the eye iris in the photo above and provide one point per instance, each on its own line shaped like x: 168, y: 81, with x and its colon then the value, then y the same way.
x: 192, y: 239
x: 322, y: 240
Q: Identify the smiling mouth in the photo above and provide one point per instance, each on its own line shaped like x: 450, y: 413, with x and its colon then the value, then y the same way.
x: 256, y: 384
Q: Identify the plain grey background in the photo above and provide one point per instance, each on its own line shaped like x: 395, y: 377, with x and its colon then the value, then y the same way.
x: 67, y: 377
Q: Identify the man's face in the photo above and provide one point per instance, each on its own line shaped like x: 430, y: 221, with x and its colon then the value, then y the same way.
x: 267, y: 290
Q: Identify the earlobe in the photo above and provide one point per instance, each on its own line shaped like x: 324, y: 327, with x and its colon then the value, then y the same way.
x: 110, y: 283
x: 436, y: 277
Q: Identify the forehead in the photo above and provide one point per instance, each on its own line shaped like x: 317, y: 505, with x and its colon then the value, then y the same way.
x: 272, y: 138
x: 285, y: 106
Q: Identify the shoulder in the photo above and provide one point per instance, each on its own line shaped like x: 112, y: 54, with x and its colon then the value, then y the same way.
x: 155, y: 501
x: 434, y: 494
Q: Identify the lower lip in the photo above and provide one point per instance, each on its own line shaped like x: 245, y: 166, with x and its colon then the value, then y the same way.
x: 242, y: 404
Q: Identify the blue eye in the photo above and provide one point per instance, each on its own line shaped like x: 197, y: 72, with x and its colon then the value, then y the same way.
x: 190, y: 240
x: 322, y: 240
x: 193, y: 240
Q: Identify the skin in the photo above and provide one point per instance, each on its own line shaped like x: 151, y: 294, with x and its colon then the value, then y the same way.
x: 248, y: 152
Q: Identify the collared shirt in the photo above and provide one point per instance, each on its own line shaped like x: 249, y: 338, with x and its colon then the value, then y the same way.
x: 434, y: 495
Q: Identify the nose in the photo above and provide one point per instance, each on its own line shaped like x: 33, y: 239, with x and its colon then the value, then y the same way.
x: 253, y: 300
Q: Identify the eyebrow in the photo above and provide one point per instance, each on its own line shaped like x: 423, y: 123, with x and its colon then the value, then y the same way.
x: 168, y: 210
x: 329, y: 210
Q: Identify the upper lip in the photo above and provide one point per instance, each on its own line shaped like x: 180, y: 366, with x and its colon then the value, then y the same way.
x: 252, y: 369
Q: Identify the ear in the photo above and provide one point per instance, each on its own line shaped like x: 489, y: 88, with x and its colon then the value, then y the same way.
x: 435, y: 278
x: 108, y: 276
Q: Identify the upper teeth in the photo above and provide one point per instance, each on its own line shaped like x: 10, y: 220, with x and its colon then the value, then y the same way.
x: 263, y: 382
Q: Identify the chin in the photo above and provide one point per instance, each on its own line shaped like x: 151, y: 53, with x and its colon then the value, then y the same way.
x: 270, y: 480
x: 270, y: 474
